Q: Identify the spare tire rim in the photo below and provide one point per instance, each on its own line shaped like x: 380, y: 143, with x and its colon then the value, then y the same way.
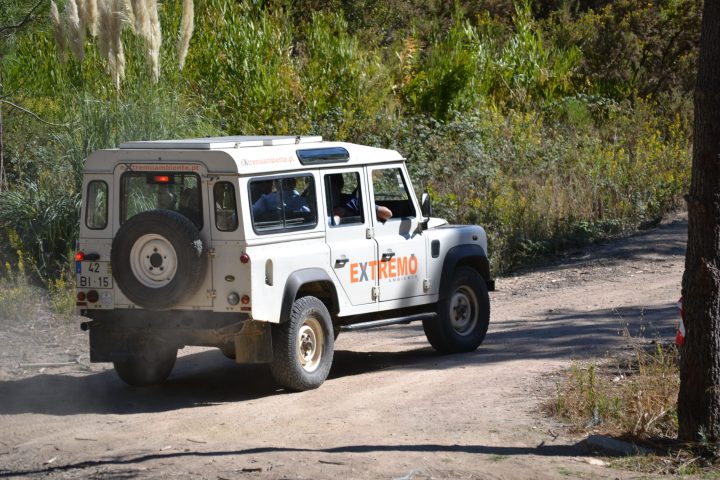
x: 153, y: 260
x: 464, y: 311
x: 311, y: 340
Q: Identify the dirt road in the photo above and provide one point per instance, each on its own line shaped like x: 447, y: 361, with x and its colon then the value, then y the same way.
x: 392, y: 408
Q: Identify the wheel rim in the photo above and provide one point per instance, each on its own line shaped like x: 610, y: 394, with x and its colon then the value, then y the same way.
x: 311, y: 341
x: 153, y: 260
x: 464, y: 311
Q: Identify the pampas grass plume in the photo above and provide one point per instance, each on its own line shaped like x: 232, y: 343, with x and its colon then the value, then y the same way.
x: 58, y: 30
x: 104, y: 31
x: 187, y: 24
x: 130, y: 14
x: 75, y: 31
x: 116, y: 48
x: 155, y: 39
x: 92, y: 16
x: 142, y: 20
x: 82, y: 13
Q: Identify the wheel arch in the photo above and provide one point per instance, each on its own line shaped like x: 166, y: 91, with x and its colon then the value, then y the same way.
x: 309, y: 281
x: 473, y: 256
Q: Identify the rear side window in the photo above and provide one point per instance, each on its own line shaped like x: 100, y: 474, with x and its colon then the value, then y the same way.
x: 96, y: 213
x: 285, y: 203
x: 179, y: 192
x: 226, y: 219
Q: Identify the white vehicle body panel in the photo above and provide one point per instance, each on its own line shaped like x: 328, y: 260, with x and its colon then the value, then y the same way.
x: 350, y: 255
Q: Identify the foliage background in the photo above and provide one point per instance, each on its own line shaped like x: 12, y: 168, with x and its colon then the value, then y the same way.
x: 550, y: 123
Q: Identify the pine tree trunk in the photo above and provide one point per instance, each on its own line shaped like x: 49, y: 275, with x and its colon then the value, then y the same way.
x: 699, y: 398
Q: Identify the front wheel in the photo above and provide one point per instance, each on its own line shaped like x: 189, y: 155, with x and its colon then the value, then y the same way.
x: 149, y: 366
x: 463, y: 315
x: 303, y: 346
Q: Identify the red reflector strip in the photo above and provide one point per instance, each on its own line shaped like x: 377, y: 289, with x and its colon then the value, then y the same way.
x: 81, y: 304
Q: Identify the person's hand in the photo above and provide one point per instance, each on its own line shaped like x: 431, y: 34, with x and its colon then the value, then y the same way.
x: 383, y: 213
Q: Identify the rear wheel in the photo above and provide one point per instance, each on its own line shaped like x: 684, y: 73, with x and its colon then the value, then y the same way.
x: 149, y: 365
x: 303, y: 346
x: 463, y: 315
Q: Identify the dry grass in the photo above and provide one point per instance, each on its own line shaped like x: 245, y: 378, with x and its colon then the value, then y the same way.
x: 634, y: 398
x: 18, y: 298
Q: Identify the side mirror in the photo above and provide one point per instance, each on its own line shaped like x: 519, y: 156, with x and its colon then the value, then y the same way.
x: 425, y: 209
x: 425, y: 206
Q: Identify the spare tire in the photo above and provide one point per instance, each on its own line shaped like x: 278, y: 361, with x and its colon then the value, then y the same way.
x: 158, y: 259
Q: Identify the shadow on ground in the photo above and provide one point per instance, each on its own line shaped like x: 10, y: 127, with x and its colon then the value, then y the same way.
x: 207, y: 377
x: 666, y: 241
x: 541, y: 450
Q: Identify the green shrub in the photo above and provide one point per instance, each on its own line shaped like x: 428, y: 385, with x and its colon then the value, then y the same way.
x: 506, y: 117
x: 61, y: 294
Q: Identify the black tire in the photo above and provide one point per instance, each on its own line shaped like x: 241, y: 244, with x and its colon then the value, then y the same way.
x: 145, y: 246
x: 463, y: 314
x: 150, y: 366
x: 303, y: 346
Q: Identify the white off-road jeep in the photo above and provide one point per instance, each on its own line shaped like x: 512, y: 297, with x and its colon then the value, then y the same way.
x: 266, y: 247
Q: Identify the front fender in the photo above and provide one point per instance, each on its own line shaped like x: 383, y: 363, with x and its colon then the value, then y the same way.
x: 469, y: 255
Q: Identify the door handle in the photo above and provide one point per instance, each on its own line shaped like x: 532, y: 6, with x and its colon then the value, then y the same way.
x: 340, y: 262
x: 387, y: 256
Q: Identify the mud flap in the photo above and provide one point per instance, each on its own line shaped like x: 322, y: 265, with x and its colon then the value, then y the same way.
x: 254, y: 343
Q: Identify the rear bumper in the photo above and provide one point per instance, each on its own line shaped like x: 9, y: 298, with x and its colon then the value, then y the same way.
x: 118, y: 334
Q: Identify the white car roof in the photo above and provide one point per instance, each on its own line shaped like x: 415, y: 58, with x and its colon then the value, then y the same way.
x: 242, y: 154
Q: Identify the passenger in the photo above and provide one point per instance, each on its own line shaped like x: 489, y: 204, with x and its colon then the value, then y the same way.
x: 346, y: 205
x: 189, y: 204
x: 291, y: 198
x: 165, y: 198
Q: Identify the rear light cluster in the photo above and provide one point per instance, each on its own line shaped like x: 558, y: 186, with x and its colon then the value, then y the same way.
x: 85, y: 298
x: 90, y: 297
x: 245, y: 299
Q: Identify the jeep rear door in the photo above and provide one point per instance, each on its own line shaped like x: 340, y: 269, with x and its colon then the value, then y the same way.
x: 180, y: 187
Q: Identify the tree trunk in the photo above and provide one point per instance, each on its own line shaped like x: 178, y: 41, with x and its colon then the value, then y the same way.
x: 699, y: 398
x: 2, y: 154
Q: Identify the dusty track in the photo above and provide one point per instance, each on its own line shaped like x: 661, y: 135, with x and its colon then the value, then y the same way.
x: 392, y: 407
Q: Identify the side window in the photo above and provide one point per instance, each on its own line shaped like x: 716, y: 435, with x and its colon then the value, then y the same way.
x: 344, y: 199
x: 96, y: 213
x: 285, y: 203
x: 226, y: 219
x: 392, y: 192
